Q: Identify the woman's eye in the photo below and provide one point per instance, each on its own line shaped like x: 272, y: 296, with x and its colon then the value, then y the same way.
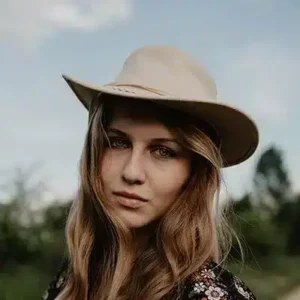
x: 165, y: 152
x: 118, y: 143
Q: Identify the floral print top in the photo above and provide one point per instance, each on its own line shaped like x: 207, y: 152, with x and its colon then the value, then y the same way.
x: 210, y: 282
x: 213, y: 282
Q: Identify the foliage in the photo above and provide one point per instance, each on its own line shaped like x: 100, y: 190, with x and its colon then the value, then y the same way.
x: 272, y: 185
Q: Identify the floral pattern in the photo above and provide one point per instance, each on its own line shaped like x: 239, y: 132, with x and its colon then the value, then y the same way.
x: 213, y: 282
x: 210, y: 282
x: 241, y: 288
x: 214, y: 293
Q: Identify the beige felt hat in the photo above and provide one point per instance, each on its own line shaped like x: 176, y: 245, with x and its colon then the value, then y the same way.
x: 169, y: 76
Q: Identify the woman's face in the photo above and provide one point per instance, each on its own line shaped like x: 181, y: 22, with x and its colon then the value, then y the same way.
x: 144, y: 161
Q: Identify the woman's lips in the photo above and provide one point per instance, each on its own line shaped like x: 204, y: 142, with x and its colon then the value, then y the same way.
x: 126, y: 200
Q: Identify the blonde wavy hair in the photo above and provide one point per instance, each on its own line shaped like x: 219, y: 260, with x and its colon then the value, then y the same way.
x: 103, y: 261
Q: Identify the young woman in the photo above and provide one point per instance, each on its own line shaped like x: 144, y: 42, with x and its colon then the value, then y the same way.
x: 146, y: 224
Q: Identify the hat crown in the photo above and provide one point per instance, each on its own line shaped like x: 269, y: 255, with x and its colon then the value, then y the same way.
x: 168, y: 70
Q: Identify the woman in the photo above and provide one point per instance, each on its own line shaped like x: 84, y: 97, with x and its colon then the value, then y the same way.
x: 146, y: 223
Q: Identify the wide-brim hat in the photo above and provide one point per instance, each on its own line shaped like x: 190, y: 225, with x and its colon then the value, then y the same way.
x: 169, y: 76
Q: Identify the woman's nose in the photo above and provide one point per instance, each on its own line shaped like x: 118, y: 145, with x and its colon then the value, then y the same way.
x: 133, y: 171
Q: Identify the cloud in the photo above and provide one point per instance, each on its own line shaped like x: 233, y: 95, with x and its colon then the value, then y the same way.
x: 30, y: 22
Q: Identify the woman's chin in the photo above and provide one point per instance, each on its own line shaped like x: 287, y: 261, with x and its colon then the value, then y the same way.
x: 135, y: 224
x: 134, y: 220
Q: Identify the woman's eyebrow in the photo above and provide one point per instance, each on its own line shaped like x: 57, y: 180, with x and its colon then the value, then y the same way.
x: 164, y: 140
x: 154, y: 140
x: 117, y: 131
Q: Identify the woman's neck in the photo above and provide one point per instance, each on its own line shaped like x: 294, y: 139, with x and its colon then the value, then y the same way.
x: 141, y: 237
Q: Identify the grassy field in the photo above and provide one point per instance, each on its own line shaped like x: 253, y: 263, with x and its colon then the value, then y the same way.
x: 23, y: 282
x: 269, y: 281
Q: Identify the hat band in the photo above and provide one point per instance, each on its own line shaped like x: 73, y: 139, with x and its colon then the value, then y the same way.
x: 146, y: 88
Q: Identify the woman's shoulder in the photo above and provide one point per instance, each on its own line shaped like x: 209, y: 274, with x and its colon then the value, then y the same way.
x: 57, y: 283
x: 213, y: 282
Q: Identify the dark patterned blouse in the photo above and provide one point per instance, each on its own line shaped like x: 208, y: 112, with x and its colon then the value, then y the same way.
x: 210, y: 282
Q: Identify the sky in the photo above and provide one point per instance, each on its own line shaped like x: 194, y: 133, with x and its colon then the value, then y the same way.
x: 250, y: 48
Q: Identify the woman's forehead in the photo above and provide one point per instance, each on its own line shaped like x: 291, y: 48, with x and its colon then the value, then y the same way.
x: 140, y: 117
x: 138, y: 110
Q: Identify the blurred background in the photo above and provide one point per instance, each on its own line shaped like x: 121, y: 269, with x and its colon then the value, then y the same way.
x: 250, y: 48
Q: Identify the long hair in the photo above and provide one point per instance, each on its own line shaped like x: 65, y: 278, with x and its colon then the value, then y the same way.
x: 103, y: 260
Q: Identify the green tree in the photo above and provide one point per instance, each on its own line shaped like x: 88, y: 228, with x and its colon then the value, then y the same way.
x: 255, y: 230
x: 18, y: 241
x: 289, y: 218
x: 272, y: 187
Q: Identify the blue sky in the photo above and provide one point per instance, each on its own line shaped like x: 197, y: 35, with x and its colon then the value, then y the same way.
x: 250, y: 48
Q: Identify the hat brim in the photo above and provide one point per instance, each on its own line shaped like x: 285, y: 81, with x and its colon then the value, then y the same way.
x: 239, y: 133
